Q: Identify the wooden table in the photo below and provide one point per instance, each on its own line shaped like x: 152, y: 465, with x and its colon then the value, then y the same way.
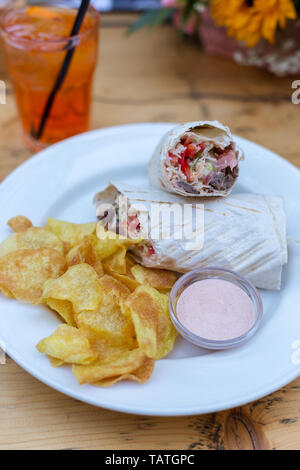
x: 157, y: 77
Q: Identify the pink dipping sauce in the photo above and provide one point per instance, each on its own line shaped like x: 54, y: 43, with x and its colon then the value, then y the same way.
x: 215, y: 309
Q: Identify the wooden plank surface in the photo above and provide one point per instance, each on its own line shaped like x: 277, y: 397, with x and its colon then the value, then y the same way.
x: 155, y: 78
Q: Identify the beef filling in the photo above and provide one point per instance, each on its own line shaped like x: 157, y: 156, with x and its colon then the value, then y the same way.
x: 223, y: 180
x: 187, y: 187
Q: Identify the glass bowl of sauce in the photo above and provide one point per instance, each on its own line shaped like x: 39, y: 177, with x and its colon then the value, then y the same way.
x: 215, y: 308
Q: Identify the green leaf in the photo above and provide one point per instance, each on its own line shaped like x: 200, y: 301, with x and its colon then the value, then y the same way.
x: 151, y: 19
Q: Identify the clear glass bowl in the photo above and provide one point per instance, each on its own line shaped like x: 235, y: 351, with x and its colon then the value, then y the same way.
x: 215, y: 273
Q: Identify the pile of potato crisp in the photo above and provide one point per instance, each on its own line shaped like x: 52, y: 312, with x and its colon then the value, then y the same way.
x: 114, y: 312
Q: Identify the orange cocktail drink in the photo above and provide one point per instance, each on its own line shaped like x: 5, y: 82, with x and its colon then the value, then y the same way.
x: 35, y: 40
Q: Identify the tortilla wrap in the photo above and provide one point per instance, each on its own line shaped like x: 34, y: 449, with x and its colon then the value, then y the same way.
x: 245, y: 233
x: 209, y: 171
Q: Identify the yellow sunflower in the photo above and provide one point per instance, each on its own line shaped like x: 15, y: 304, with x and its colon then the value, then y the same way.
x: 251, y: 20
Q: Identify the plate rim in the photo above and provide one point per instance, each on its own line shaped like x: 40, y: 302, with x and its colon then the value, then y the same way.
x: 184, y: 411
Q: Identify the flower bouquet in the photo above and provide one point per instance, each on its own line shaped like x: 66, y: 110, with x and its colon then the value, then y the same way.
x: 263, y: 33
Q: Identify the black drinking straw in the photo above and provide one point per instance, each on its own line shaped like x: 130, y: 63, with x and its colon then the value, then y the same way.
x: 64, y: 68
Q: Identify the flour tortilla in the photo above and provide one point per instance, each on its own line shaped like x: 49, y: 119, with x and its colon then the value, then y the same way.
x: 245, y: 233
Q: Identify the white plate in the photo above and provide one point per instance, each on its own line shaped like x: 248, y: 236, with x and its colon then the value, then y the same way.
x: 60, y: 182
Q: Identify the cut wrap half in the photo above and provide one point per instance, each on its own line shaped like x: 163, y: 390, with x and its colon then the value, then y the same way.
x: 196, y: 159
x: 245, y: 233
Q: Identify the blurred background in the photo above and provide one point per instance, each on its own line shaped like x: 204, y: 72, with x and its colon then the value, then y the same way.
x: 179, y: 65
x: 106, y: 5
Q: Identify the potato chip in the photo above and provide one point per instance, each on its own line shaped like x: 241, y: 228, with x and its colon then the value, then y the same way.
x: 68, y: 345
x: 141, y: 375
x: 23, y: 273
x: 130, y: 262
x: 117, y: 261
x: 128, y: 281
x: 106, y: 243
x: 84, y: 252
x: 7, y: 293
x: 32, y: 239
x: 159, y: 279
x: 116, y: 322
x: 113, y: 289
x: 105, y: 350
x: 124, y: 365
x: 70, y: 233
x: 107, y: 327
x: 149, y: 312
x: 55, y: 362
x: 107, y: 324
x: 67, y: 247
x: 19, y: 223
x: 77, y: 290
x: 126, y: 278
x: 104, y: 248
x: 64, y: 308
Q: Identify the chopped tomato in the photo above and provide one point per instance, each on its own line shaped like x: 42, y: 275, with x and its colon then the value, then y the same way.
x: 188, y: 140
x: 201, y: 147
x: 173, y: 158
x: 191, y: 151
x: 185, y: 168
x: 150, y: 251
